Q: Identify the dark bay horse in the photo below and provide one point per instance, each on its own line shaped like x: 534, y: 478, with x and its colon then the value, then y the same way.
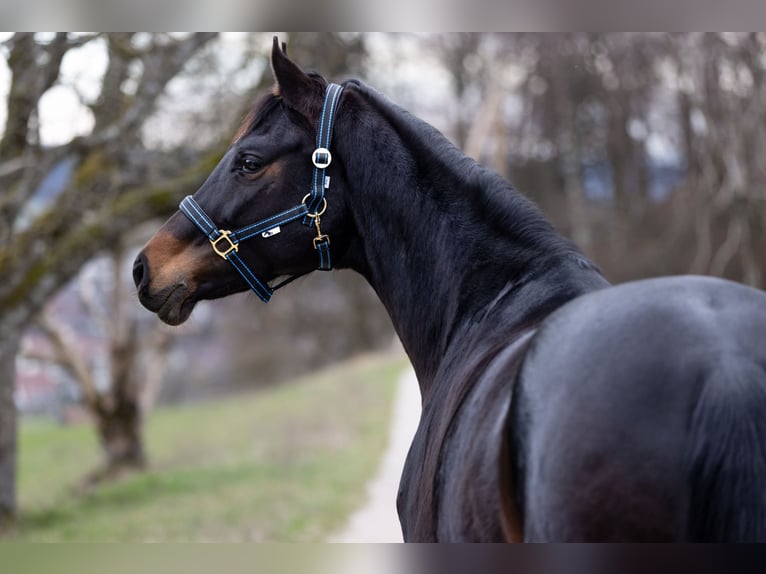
x: 556, y: 407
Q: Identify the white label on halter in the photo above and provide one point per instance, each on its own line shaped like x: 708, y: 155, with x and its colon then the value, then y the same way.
x: 270, y: 232
x: 327, y: 182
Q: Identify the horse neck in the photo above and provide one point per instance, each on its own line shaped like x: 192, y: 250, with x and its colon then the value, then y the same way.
x: 445, y: 243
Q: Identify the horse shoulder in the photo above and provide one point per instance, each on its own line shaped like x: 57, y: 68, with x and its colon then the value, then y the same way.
x: 454, y: 470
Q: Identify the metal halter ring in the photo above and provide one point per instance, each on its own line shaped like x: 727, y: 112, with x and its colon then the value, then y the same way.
x: 318, y: 213
x: 315, y: 157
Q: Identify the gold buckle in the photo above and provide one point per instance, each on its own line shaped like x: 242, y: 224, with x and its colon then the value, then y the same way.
x: 224, y: 235
x: 320, y: 238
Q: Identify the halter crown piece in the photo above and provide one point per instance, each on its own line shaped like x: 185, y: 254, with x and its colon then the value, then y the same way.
x: 312, y: 207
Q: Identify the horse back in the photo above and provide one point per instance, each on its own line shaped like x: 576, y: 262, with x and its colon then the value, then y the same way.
x: 638, y: 415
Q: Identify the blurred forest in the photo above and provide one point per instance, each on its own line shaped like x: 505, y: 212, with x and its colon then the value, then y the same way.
x: 643, y: 148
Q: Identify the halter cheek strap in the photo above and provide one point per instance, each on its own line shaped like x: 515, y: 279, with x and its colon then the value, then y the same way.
x: 322, y: 158
x: 226, y: 243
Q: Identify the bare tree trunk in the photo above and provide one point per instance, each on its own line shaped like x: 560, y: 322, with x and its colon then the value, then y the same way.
x: 119, y: 429
x: 481, y: 131
x: 704, y: 240
x: 570, y: 157
x: 117, y: 411
x: 9, y: 344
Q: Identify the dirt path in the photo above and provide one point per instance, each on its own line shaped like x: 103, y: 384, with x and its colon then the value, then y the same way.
x: 377, y: 520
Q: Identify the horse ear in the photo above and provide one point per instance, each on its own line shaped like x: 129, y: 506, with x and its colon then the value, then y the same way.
x: 292, y: 83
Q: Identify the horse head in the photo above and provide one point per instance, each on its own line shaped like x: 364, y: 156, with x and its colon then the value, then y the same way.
x: 257, y: 216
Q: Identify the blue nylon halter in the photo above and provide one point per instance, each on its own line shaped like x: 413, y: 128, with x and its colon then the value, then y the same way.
x: 310, y: 211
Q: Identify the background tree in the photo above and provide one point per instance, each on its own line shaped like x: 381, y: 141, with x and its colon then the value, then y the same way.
x: 133, y: 164
x: 113, y: 185
x: 640, y: 147
x: 721, y: 98
x: 136, y: 349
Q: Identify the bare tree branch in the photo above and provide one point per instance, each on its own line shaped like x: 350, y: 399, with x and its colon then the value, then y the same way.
x: 111, y: 102
x: 481, y: 130
x: 23, y: 96
x: 728, y: 249
x: 161, y: 341
x: 702, y: 226
x: 14, y: 166
x: 32, y: 270
x: 160, y: 66
x: 66, y: 355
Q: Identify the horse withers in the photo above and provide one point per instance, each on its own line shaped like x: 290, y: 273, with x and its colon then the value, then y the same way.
x: 556, y: 407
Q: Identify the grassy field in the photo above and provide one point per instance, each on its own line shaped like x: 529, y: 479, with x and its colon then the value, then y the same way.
x: 284, y: 464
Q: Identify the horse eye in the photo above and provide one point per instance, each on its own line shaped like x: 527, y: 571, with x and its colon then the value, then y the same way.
x: 249, y: 164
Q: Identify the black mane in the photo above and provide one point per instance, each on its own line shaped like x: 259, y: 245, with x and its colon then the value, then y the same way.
x: 491, y: 199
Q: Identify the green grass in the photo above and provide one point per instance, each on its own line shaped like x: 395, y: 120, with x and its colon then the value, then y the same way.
x: 284, y: 464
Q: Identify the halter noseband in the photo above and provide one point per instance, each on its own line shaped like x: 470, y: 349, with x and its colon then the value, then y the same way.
x: 312, y: 207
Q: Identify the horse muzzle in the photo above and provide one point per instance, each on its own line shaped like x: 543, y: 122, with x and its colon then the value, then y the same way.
x: 173, y: 303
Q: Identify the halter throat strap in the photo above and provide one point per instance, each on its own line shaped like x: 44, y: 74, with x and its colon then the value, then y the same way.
x: 226, y: 243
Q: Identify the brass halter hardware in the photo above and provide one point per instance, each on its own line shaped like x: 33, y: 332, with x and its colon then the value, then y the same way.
x: 224, y: 237
x: 317, y: 218
x: 320, y: 237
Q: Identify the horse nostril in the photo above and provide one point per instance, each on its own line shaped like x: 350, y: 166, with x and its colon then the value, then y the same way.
x: 140, y: 276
